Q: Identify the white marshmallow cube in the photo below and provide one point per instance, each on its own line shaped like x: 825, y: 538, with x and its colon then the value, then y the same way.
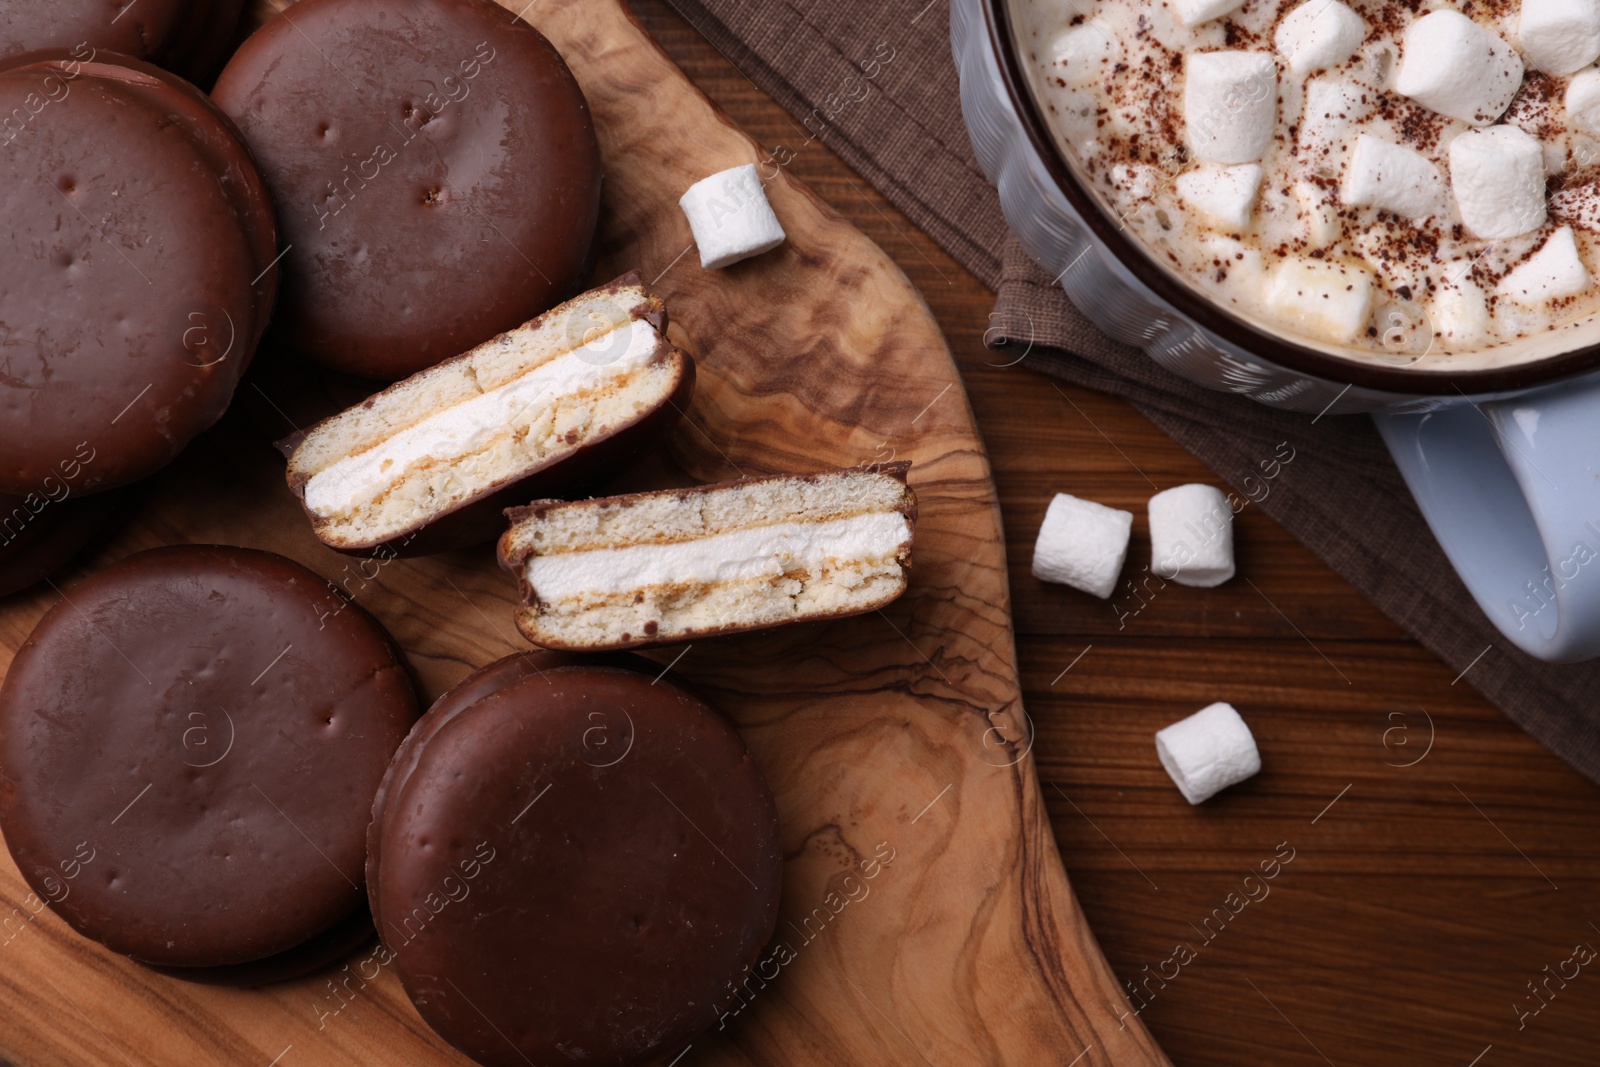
x: 1391, y: 177
x: 1553, y: 272
x: 1082, y: 544
x: 1560, y: 36
x: 1207, y: 752
x: 1459, y: 314
x: 1081, y: 54
x: 1498, y: 177
x: 730, y: 217
x: 1319, y: 218
x: 1583, y: 101
x: 1230, y: 104
x: 1452, y: 65
x: 1191, y: 536
x: 1326, y: 298
x: 1318, y: 34
x: 1194, y: 12
x: 1226, y: 194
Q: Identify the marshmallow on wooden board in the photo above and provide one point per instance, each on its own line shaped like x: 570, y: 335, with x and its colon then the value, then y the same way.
x: 1194, y: 12
x: 1226, y: 194
x: 1391, y: 177
x: 1191, y: 536
x: 1230, y: 105
x: 1318, y: 34
x: 730, y: 217
x: 1207, y: 752
x: 1081, y: 54
x: 1583, y: 101
x: 1082, y: 544
x: 1452, y: 65
x: 1560, y: 36
x: 1499, y: 179
x: 1327, y: 298
x: 1556, y: 270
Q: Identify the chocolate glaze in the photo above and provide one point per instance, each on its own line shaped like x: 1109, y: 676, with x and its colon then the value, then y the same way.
x: 40, y: 535
x: 324, y: 950
x: 480, y: 519
x: 156, y: 30
x: 211, y: 723
x: 435, y: 170
x: 471, y: 689
x: 134, y: 288
x: 542, y: 895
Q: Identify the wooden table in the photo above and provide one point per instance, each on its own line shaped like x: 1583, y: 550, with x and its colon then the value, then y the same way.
x: 1428, y: 886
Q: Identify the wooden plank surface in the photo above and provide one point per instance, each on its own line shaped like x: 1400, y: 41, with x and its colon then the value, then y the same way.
x: 894, y: 741
x: 1417, y: 908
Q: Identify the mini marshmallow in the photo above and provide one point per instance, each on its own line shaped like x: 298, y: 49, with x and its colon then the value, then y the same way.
x: 730, y: 217
x: 1194, y: 12
x: 1081, y: 54
x: 1207, y: 752
x: 1583, y: 101
x: 1334, y: 107
x: 1560, y: 36
x: 1318, y: 217
x: 1082, y: 544
x: 1459, y: 314
x: 1393, y: 178
x: 1318, y: 34
x: 1191, y: 536
x: 1230, y: 103
x: 1555, y: 271
x: 1498, y: 177
x: 1227, y: 194
x: 1452, y: 65
x: 1326, y: 298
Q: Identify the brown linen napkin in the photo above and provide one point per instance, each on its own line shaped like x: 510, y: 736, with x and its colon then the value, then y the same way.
x: 876, y: 83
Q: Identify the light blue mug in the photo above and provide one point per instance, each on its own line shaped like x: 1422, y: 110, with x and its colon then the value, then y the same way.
x: 1503, y: 457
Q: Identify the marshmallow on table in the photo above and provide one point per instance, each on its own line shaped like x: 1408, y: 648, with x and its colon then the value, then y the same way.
x: 1499, y: 178
x: 1555, y: 271
x: 1318, y: 34
x: 1230, y: 104
x: 1452, y: 65
x: 1191, y: 536
x: 1207, y: 752
x: 1393, y: 178
x: 1227, y: 194
x: 1326, y: 298
x: 1560, y: 36
x: 1194, y: 12
x: 1082, y: 544
x: 730, y: 217
x: 1583, y: 101
x: 1081, y: 54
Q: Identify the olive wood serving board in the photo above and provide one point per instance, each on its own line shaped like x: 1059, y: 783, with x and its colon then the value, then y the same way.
x: 926, y: 916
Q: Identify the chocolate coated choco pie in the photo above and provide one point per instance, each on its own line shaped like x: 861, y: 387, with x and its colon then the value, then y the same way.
x: 187, y: 36
x: 566, y: 856
x: 201, y: 731
x: 137, y: 270
x: 436, y: 174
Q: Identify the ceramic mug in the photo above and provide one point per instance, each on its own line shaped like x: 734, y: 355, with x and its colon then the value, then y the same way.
x: 1502, y: 457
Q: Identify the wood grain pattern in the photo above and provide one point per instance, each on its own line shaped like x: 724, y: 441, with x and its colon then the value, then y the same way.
x: 1408, y: 925
x: 900, y: 732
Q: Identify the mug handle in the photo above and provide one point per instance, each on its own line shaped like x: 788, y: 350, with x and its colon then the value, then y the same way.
x: 1511, y: 488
